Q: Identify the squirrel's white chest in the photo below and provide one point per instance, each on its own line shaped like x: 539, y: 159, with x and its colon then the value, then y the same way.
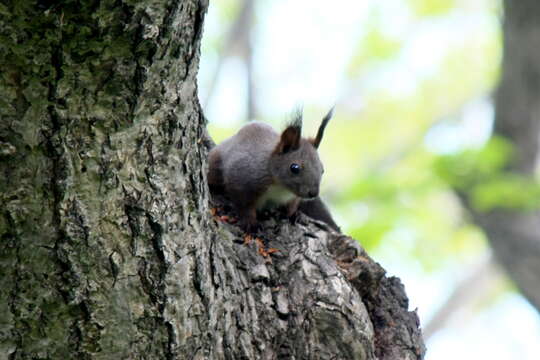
x: 276, y: 195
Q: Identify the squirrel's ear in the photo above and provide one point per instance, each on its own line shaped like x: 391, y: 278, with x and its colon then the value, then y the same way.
x: 290, y: 137
x: 316, y: 142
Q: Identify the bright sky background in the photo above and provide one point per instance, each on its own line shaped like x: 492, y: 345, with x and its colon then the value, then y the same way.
x: 302, y: 50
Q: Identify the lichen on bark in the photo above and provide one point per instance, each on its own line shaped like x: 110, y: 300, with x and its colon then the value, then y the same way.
x: 101, y: 122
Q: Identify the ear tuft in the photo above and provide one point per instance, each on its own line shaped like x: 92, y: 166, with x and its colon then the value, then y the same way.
x: 291, y: 136
x: 317, y: 141
x: 297, y: 116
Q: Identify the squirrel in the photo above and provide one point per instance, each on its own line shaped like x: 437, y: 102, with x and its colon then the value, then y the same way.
x: 257, y: 166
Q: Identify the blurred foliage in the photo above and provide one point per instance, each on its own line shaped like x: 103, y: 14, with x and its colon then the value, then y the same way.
x: 374, y: 46
x: 432, y: 7
x: 472, y: 166
x: 482, y: 175
x: 507, y: 191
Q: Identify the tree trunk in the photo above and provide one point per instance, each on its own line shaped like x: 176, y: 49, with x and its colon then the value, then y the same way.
x: 108, y: 248
x: 515, y: 235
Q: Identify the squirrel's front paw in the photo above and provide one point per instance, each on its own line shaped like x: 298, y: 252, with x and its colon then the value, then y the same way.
x: 250, y: 227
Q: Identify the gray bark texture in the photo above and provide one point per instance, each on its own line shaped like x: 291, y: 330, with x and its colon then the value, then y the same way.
x: 108, y: 246
x: 515, y: 235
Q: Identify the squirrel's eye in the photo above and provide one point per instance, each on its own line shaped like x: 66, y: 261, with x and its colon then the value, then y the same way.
x: 295, y: 168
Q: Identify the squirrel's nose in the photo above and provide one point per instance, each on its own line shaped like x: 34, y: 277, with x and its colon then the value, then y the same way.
x: 313, y: 193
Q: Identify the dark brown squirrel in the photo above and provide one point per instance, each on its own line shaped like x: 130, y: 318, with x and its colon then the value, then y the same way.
x: 257, y: 166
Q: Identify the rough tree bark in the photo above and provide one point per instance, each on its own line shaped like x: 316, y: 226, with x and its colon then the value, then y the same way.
x: 515, y: 235
x: 108, y: 248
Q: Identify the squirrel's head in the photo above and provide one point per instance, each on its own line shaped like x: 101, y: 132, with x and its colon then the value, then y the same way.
x: 295, y: 162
